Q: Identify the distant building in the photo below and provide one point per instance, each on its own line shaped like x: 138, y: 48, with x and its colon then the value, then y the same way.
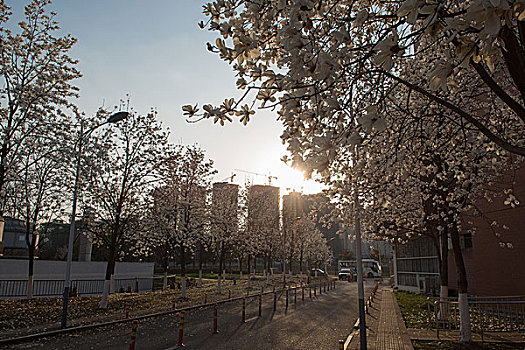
x: 14, y: 238
x: 225, y: 204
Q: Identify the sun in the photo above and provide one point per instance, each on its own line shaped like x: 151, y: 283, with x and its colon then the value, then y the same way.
x: 287, y: 178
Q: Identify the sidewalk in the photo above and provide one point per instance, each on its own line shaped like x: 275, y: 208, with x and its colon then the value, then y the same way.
x: 385, y: 326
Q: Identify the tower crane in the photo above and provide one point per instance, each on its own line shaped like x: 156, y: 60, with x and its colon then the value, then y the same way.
x: 270, y: 177
x: 229, y: 177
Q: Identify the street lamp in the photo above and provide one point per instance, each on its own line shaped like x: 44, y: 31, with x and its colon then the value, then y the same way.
x: 359, y: 257
x: 114, y: 118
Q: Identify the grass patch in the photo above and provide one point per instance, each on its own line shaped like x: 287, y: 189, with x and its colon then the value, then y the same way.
x: 449, y: 345
x: 414, y: 309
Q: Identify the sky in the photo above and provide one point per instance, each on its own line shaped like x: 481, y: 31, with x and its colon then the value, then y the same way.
x: 155, y: 52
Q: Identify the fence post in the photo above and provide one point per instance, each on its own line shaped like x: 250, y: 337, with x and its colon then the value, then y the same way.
x: 136, y: 285
x: 205, y: 298
x: 310, y: 288
x: 274, y: 300
x: 229, y: 294
x: 181, y: 328
x: 286, y: 298
x: 315, y: 290
x: 243, y: 314
x: 215, y: 330
x: 295, y: 296
x: 302, y: 292
x: 127, y: 314
x: 134, y: 327
x: 260, y: 304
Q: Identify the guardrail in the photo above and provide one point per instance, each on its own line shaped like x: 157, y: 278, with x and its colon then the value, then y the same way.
x: 487, y: 314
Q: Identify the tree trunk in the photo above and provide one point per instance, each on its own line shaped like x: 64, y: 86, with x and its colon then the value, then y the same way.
x: 165, y: 263
x: 464, y: 328
x: 201, y: 257
x: 107, y: 282
x: 443, y: 276
x: 221, y: 265
x: 183, y: 270
x: 31, y: 253
x: 240, y: 267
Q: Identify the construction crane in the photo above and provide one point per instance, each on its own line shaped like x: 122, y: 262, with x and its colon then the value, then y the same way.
x: 270, y: 177
x: 229, y: 177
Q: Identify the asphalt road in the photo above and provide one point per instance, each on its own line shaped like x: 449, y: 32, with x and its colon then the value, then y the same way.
x: 316, y: 323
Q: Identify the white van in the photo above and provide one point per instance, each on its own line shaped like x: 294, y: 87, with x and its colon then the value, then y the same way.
x: 371, y: 268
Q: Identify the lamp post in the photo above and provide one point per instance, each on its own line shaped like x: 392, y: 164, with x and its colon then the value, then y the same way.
x: 359, y: 257
x: 112, y: 119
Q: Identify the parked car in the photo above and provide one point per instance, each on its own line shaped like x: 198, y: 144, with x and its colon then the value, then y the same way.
x: 320, y: 273
x: 347, y: 274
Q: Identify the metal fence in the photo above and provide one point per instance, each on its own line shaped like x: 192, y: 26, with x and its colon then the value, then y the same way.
x: 487, y: 314
x: 47, y: 288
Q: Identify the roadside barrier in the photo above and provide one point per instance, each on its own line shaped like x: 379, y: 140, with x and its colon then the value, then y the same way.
x: 371, y: 297
x: 134, y: 327
x: 260, y: 304
x: 181, y: 328
x: 243, y: 313
x: 215, y: 316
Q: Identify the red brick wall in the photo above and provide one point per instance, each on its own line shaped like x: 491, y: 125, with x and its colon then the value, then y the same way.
x: 491, y: 269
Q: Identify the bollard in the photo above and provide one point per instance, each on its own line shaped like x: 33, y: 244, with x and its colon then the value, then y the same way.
x: 134, y: 327
x: 243, y: 314
x: 260, y: 304
x: 320, y: 288
x: 181, y: 328
x: 229, y: 294
x: 341, y: 345
x: 274, y: 301
x: 127, y: 314
x: 215, y: 330
x: 324, y: 286
x: 310, y: 287
x: 295, y: 296
x: 205, y: 298
x: 286, y: 298
x: 136, y: 285
x: 302, y: 293
x: 174, y: 306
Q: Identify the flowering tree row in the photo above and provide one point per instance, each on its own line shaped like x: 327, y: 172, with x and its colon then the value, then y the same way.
x: 408, y: 110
